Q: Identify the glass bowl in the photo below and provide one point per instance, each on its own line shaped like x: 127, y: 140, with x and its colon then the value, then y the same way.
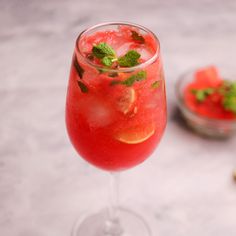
x: 214, y: 128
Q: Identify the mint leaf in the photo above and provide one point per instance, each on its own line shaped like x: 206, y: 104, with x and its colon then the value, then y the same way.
x: 83, y: 87
x: 137, y: 37
x: 129, y: 59
x: 155, y: 84
x: 79, y: 69
x: 202, y: 94
x: 229, y: 103
x: 141, y: 75
x: 229, y: 100
x: 107, y: 61
x: 102, y: 50
x: 107, y: 55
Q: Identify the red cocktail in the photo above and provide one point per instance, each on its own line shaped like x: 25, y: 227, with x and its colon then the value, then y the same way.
x: 111, y: 124
x: 116, y: 105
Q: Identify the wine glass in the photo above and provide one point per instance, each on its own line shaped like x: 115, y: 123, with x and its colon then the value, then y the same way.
x: 115, y: 112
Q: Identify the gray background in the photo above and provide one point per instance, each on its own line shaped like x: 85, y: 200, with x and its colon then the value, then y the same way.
x: 185, y: 188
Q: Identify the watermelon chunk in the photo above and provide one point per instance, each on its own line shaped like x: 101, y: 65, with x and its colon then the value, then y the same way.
x: 208, y: 76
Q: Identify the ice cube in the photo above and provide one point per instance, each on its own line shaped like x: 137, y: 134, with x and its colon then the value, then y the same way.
x: 154, y: 102
x: 97, y: 112
x: 145, y: 53
x: 123, y: 49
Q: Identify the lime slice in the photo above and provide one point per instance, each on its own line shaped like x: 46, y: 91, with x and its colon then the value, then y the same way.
x: 126, y: 100
x: 136, y: 134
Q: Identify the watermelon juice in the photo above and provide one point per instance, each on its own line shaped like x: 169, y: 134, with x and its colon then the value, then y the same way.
x: 116, y: 104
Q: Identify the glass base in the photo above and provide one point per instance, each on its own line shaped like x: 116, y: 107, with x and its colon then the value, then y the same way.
x: 128, y: 224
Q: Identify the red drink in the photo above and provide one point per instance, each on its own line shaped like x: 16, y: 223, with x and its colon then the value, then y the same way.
x: 116, y: 113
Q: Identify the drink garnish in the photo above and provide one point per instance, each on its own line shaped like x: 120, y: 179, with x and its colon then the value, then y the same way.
x: 79, y: 69
x: 155, y: 84
x: 126, y: 100
x: 141, y: 75
x: 108, y: 61
x: 137, y: 37
x: 82, y: 86
x: 107, y: 55
x: 102, y: 50
x: 129, y: 59
x: 135, y: 135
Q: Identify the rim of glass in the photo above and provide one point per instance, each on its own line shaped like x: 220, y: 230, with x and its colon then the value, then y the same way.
x: 129, y: 69
x: 182, y: 105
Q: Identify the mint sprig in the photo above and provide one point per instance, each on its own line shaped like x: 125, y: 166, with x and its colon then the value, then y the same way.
x: 107, y: 55
x: 141, y: 75
x: 107, y: 61
x: 103, y: 50
x: 129, y: 59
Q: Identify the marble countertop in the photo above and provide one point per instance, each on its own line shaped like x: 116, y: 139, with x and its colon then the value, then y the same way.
x: 185, y: 188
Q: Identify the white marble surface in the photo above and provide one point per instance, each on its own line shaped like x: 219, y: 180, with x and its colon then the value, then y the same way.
x: 184, y: 189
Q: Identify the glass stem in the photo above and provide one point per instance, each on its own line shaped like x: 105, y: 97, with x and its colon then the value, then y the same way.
x: 114, y: 196
x: 112, y: 226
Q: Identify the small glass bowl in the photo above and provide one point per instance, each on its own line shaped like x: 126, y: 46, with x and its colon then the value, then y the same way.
x: 214, y: 128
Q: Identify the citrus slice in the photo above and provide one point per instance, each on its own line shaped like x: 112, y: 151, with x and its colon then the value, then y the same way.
x: 136, y: 134
x: 126, y: 100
